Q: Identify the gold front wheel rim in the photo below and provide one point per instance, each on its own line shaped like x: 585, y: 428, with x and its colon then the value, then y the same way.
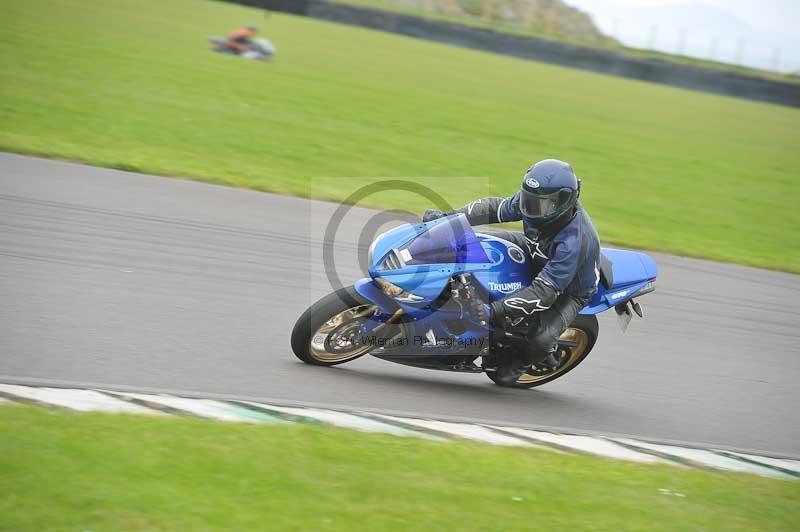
x: 580, y: 342
x: 333, y: 340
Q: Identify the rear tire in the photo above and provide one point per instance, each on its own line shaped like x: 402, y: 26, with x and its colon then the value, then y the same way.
x: 320, y: 336
x: 582, y: 332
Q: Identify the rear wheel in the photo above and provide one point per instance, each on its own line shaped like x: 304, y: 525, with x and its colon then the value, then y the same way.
x: 326, y: 334
x: 574, y: 345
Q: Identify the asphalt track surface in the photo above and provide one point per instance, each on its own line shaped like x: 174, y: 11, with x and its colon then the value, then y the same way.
x: 131, y: 281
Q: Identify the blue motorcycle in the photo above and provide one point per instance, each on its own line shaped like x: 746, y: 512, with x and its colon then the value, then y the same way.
x: 413, y: 309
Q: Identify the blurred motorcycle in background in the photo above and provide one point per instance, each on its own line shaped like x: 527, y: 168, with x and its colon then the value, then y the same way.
x: 259, y: 49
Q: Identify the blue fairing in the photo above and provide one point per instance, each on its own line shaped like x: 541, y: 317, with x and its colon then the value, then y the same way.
x: 369, y: 291
x: 391, y: 239
x: 630, y: 266
x: 422, y: 258
x: 509, y: 269
x: 632, y: 271
x: 426, y: 256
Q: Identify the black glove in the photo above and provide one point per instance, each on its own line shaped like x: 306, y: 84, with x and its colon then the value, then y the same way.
x: 480, y: 311
x: 431, y: 215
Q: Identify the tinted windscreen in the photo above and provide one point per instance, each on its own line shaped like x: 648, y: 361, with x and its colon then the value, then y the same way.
x: 451, y: 241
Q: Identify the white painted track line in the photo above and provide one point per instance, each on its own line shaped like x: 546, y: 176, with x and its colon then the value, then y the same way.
x: 462, y: 430
x: 341, y: 419
x: 786, y: 464
x: 586, y: 444
x: 255, y: 412
x: 706, y: 458
x: 82, y: 400
x: 198, y: 407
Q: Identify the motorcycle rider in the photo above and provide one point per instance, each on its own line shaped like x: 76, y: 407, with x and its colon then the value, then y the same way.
x: 564, y: 247
x: 239, y: 40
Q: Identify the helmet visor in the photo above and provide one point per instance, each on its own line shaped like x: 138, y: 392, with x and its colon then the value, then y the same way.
x: 542, y: 205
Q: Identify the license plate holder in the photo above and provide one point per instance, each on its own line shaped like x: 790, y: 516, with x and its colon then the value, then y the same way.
x: 624, y: 315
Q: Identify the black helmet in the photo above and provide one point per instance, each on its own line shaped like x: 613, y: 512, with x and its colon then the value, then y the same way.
x: 549, y: 190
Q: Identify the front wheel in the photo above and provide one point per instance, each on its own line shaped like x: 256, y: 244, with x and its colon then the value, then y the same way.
x: 574, y: 346
x: 326, y: 334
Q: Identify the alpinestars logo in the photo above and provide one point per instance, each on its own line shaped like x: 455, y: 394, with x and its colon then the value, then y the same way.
x: 505, y: 288
x: 525, y: 305
x: 533, y: 248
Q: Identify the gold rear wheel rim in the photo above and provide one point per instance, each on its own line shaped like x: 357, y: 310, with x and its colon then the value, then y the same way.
x: 333, y: 340
x: 580, y: 341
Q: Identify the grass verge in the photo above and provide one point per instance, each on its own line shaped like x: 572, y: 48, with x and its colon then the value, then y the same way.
x: 131, y: 84
x: 94, y: 471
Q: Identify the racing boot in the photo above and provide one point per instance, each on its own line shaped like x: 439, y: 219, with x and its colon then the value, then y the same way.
x: 549, y: 362
x: 507, y: 375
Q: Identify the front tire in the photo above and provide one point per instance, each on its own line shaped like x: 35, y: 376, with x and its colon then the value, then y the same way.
x: 324, y: 334
x: 574, y: 345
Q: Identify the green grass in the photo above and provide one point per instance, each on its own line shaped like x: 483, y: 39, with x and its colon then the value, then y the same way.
x: 131, y: 84
x: 70, y: 471
x: 593, y: 42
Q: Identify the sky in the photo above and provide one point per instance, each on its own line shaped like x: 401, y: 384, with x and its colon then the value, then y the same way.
x: 763, y: 34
